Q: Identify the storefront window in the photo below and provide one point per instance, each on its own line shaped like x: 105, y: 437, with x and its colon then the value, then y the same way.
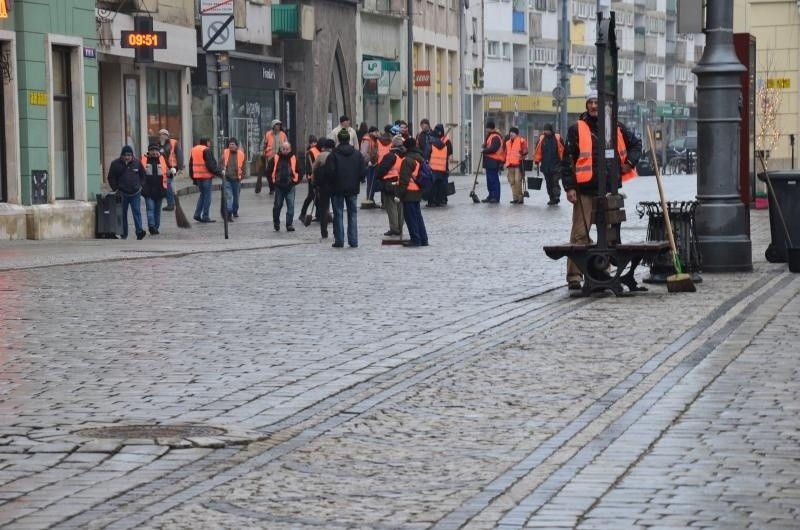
x: 253, y: 110
x: 163, y: 103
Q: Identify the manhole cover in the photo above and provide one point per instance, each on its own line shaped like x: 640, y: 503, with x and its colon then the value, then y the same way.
x: 151, y: 431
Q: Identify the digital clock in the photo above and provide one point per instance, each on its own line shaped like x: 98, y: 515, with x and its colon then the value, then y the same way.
x: 154, y: 40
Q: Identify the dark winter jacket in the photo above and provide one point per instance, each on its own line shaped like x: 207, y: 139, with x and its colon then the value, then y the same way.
x: 424, y: 143
x: 126, y: 177
x: 345, y: 169
x: 285, y: 179
x: 153, y: 186
x: 495, y: 145
x: 572, y: 153
x: 413, y: 157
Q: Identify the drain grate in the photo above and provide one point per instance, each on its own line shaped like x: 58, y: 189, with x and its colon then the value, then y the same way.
x: 151, y: 431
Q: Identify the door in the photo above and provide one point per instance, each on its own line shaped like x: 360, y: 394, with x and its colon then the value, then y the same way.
x: 3, y: 171
x: 63, y: 148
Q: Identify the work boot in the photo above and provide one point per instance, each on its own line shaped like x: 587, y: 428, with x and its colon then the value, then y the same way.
x: 290, y: 228
x: 277, y: 227
x: 140, y: 234
x: 152, y: 230
x: 167, y: 208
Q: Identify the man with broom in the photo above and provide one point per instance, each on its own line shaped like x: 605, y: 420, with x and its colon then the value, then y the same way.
x: 578, y: 174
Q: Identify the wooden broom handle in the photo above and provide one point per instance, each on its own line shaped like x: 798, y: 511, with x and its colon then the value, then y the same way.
x: 667, y: 222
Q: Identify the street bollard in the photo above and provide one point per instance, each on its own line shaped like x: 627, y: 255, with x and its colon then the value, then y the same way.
x: 682, y: 215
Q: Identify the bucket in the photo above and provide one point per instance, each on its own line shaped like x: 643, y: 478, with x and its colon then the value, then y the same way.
x: 535, y: 183
x: 793, y: 257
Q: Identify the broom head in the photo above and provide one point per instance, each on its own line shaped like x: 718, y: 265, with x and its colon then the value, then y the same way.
x: 474, y: 197
x: 180, y: 217
x: 680, y: 283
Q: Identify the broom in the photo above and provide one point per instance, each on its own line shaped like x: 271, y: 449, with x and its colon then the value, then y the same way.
x: 472, y: 194
x: 680, y: 282
x: 180, y: 217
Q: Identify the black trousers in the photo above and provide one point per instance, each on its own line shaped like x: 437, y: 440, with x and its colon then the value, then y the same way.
x: 323, y: 206
x: 309, y: 199
x: 551, y: 181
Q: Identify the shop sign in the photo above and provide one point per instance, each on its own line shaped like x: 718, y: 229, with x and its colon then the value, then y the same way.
x: 782, y: 82
x: 37, y: 98
x: 422, y: 78
x: 89, y: 53
x: 371, y: 69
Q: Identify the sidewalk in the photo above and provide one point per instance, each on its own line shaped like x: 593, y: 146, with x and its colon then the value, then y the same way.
x: 457, y: 386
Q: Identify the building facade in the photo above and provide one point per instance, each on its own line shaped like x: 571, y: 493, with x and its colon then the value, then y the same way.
x: 49, y: 141
x: 523, y: 52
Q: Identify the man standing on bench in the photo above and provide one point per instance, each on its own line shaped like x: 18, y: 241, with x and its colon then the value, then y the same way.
x: 578, y: 171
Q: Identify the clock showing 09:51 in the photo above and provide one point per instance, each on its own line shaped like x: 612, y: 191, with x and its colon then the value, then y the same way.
x: 156, y: 40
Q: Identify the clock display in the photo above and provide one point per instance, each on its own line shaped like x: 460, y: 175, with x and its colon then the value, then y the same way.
x: 137, y: 39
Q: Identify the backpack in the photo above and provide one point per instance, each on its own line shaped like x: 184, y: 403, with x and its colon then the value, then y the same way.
x: 425, y: 176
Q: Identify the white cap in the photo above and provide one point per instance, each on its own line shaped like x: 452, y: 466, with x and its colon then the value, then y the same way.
x: 164, y: 132
x: 591, y: 95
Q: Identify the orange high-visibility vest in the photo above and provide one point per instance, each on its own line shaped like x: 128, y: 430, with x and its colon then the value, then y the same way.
x: 311, y: 155
x: 162, y: 165
x: 583, y: 167
x: 498, y: 155
x: 269, y: 142
x: 172, y: 161
x: 293, y: 161
x: 394, y: 171
x: 383, y: 150
x: 514, y: 149
x: 226, y: 154
x: 439, y: 158
x: 537, y: 155
x: 199, y: 169
x: 412, y: 182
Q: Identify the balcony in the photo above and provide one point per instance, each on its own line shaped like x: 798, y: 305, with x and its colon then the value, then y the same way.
x: 285, y: 19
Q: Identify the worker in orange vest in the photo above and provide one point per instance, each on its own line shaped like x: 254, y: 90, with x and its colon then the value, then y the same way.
x: 202, y: 168
x: 516, y: 149
x: 441, y: 149
x: 579, y: 174
x: 369, y: 150
x: 284, y: 173
x: 273, y: 139
x: 233, y: 163
x: 173, y: 154
x: 548, y: 156
x: 493, y: 159
x: 154, y: 188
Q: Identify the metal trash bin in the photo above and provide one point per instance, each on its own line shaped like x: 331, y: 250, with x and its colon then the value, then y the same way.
x: 787, y: 188
x: 682, y: 216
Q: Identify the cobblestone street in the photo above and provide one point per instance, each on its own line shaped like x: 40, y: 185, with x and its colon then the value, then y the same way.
x: 381, y: 387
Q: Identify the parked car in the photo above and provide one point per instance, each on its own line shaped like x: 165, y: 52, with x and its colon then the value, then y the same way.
x: 680, y: 145
x: 681, y: 155
x: 645, y: 166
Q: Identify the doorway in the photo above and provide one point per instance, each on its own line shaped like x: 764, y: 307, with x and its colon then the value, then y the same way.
x: 290, y: 120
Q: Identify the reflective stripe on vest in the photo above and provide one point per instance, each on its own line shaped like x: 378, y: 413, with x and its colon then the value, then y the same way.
x: 293, y: 160
x: 394, y: 171
x: 439, y: 158
x: 498, y: 155
x: 583, y: 167
x: 514, y: 152
x: 383, y: 150
x: 199, y: 169
x: 239, y: 162
x: 162, y: 167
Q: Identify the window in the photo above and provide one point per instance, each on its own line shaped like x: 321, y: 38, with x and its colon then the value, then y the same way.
x: 518, y: 22
x: 536, y: 79
x: 535, y: 23
x: 163, y: 103
x: 506, y: 51
x: 492, y: 48
x: 63, y: 157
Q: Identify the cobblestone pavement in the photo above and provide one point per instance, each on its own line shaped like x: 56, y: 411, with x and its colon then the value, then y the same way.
x: 453, y: 386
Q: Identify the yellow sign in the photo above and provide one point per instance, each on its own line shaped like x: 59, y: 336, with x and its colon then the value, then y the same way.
x: 3, y: 9
x: 782, y: 82
x: 37, y: 98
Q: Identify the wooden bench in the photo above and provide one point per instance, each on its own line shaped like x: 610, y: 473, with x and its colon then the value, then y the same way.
x: 595, y: 263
